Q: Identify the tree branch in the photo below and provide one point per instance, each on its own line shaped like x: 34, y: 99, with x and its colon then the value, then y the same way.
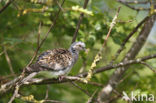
x: 40, y: 81
x: 133, y: 2
x: 9, y: 61
x: 79, y: 21
x: 83, y: 90
x: 77, y: 78
x: 127, y: 39
x: 105, y: 93
x: 46, y: 35
x: 147, y: 65
x: 98, y: 56
x: 90, y: 100
x: 19, y: 84
x: 137, y: 9
x: 6, y: 5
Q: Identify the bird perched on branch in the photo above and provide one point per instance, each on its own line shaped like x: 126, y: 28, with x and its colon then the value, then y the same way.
x: 57, y: 62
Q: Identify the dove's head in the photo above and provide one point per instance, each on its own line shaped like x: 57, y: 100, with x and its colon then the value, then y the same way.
x: 77, y: 46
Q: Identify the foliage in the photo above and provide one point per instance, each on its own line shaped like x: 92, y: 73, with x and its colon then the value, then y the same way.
x: 18, y: 34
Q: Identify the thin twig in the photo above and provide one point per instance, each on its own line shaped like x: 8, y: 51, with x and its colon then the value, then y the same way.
x: 38, y: 36
x: 127, y: 38
x: 25, y: 80
x: 137, y: 9
x: 134, y: 2
x: 19, y: 84
x: 2, y: 53
x: 47, y: 92
x: 41, y: 2
x: 147, y: 65
x: 8, y: 61
x: 52, y: 25
x: 111, y: 26
x: 31, y: 99
x: 96, y: 84
x: 98, y: 56
x: 46, y: 35
x: 15, y: 94
x: 15, y: 5
x: 6, y: 5
x: 119, y: 95
x: 38, y: 46
x: 83, y: 90
x: 113, y: 99
x: 124, y: 78
x: 59, y: 5
x: 79, y: 21
x: 123, y: 22
x: 90, y: 100
x: 52, y: 101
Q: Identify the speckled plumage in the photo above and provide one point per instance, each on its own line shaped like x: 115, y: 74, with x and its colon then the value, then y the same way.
x: 57, y: 61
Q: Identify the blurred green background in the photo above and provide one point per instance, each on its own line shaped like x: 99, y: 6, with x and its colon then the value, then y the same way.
x: 18, y: 35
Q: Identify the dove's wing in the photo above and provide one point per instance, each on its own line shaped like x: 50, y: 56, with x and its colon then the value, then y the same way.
x: 55, y: 60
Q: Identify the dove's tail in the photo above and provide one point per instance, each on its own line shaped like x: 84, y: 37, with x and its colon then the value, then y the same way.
x: 34, y: 68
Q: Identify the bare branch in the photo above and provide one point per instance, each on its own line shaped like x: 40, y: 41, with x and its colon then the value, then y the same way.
x: 123, y: 22
x: 38, y: 46
x: 90, y: 100
x: 127, y: 38
x: 15, y: 94
x: 96, y: 84
x: 79, y: 21
x: 38, y: 36
x: 52, y: 101
x: 6, y: 5
x: 2, y: 53
x: 83, y: 90
x: 31, y: 99
x: 108, y: 67
x: 112, y: 25
x: 147, y: 65
x: 9, y: 61
x: 19, y: 84
x: 59, y: 5
x: 137, y: 9
x: 124, y: 78
x: 52, y: 25
x: 98, y: 56
x: 133, y: 2
x: 46, y: 35
x: 47, y: 92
